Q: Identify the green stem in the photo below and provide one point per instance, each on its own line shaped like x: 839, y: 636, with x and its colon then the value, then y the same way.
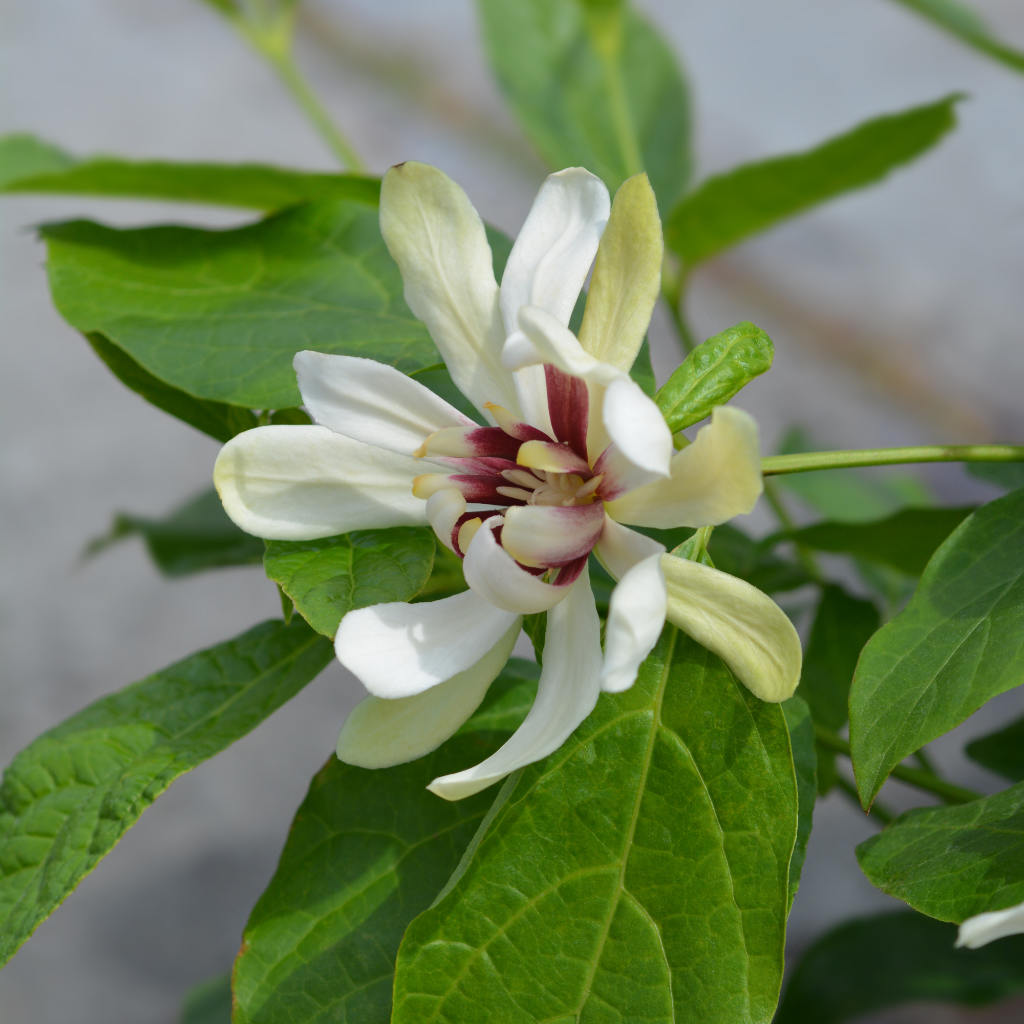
x: 803, y: 553
x: 916, y: 777
x: 877, y: 810
x: 807, y: 461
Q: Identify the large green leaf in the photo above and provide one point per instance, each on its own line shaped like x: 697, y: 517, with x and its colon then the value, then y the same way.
x: 890, y: 959
x: 221, y: 314
x: 805, y: 763
x: 958, y: 643
x: 730, y: 207
x: 1001, y: 752
x: 195, y: 536
x: 953, y: 862
x: 28, y: 164
x: 327, y: 578
x: 713, y: 372
x: 368, y: 850
x: 593, y: 84
x: 72, y: 793
x: 963, y: 22
x: 640, y: 873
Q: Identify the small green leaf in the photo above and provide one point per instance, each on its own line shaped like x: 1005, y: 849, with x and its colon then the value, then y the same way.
x: 805, y: 762
x: 329, y: 577
x: 69, y: 796
x: 639, y: 873
x: 731, y: 207
x: 957, y: 644
x: 194, y: 537
x: 891, y: 959
x: 1001, y: 752
x: 712, y: 373
x: 953, y: 862
x: 208, y: 1003
x: 25, y: 156
x: 593, y: 85
x: 367, y: 851
x: 963, y: 22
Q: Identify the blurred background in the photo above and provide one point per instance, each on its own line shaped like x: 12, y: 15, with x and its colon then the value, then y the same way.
x: 895, y: 311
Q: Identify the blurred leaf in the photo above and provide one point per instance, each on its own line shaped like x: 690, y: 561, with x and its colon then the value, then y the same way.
x: 890, y: 959
x: 643, y: 372
x: 961, y: 21
x: 730, y: 207
x: 1009, y: 475
x: 805, y: 763
x: 69, y: 796
x: 194, y: 537
x: 739, y: 555
x: 28, y: 164
x: 1001, y: 752
x: 957, y: 644
x: 208, y: 1003
x: 639, y: 873
x: 594, y: 85
x: 367, y: 851
x: 329, y: 577
x: 953, y: 862
x: 712, y: 373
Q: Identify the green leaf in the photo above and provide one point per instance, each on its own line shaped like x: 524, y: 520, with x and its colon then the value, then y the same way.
x: 368, y: 850
x: 593, y: 84
x: 712, y: 373
x: 953, y: 862
x: 1001, y: 752
x: 905, y: 541
x: 643, y: 372
x: 730, y: 207
x: 327, y: 578
x: 194, y: 537
x: 72, y: 793
x: 208, y: 1003
x: 961, y: 21
x: 896, y: 958
x: 1009, y: 475
x: 739, y: 555
x: 805, y: 763
x: 640, y: 873
x: 221, y: 314
x: 28, y: 164
x: 958, y: 643
x: 217, y: 419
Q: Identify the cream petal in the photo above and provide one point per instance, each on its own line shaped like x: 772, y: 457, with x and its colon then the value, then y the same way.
x: 994, y: 924
x: 636, y: 614
x: 736, y: 621
x: 712, y: 480
x: 551, y: 534
x: 443, y: 510
x: 398, y: 649
x: 379, y: 733
x: 299, y: 483
x: 567, y: 692
x: 627, y: 277
x: 438, y: 241
x: 371, y: 401
x: 494, y: 577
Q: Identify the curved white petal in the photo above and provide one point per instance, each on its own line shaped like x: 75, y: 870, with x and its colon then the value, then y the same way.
x: 551, y: 534
x: 443, y: 510
x: 379, y: 733
x: 620, y: 548
x: 371, y: 401
x: 567, y: 692
x: 540, y: 337
x: 736, y: 621
x: 496, y: 580
x: 627, y: 277
x: 635, y: 617
x: 641, y: 443
x: 438, y: 241
x: 397, y: 649
x: 713, y: 479
x: 299, y: 483
x: 994, y: 924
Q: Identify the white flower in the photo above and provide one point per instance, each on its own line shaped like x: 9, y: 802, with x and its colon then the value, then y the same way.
x: 995, y: 924
x: 572, y: 449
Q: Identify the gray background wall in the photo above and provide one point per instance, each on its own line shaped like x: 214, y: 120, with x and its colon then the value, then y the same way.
x: 895, y: 313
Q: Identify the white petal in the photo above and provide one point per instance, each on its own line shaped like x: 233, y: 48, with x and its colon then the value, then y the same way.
x: 713, y: 479
x: 397, y: 649
x: 443, y: 510
x: 494, y: 577
x: 620, y: 548
x: 371, y: 401
x: 298, y: 483
x: 641, y: 443
x: 736, y: 621
x: 540, y: 337
x: 635, y: 617
x: 627, y: 277
x: 555, y: 248
x: 439, y: 243
x: 567, y: 692
x: 551, y: 534
x: 995, y: 924
x: 379, y: 733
